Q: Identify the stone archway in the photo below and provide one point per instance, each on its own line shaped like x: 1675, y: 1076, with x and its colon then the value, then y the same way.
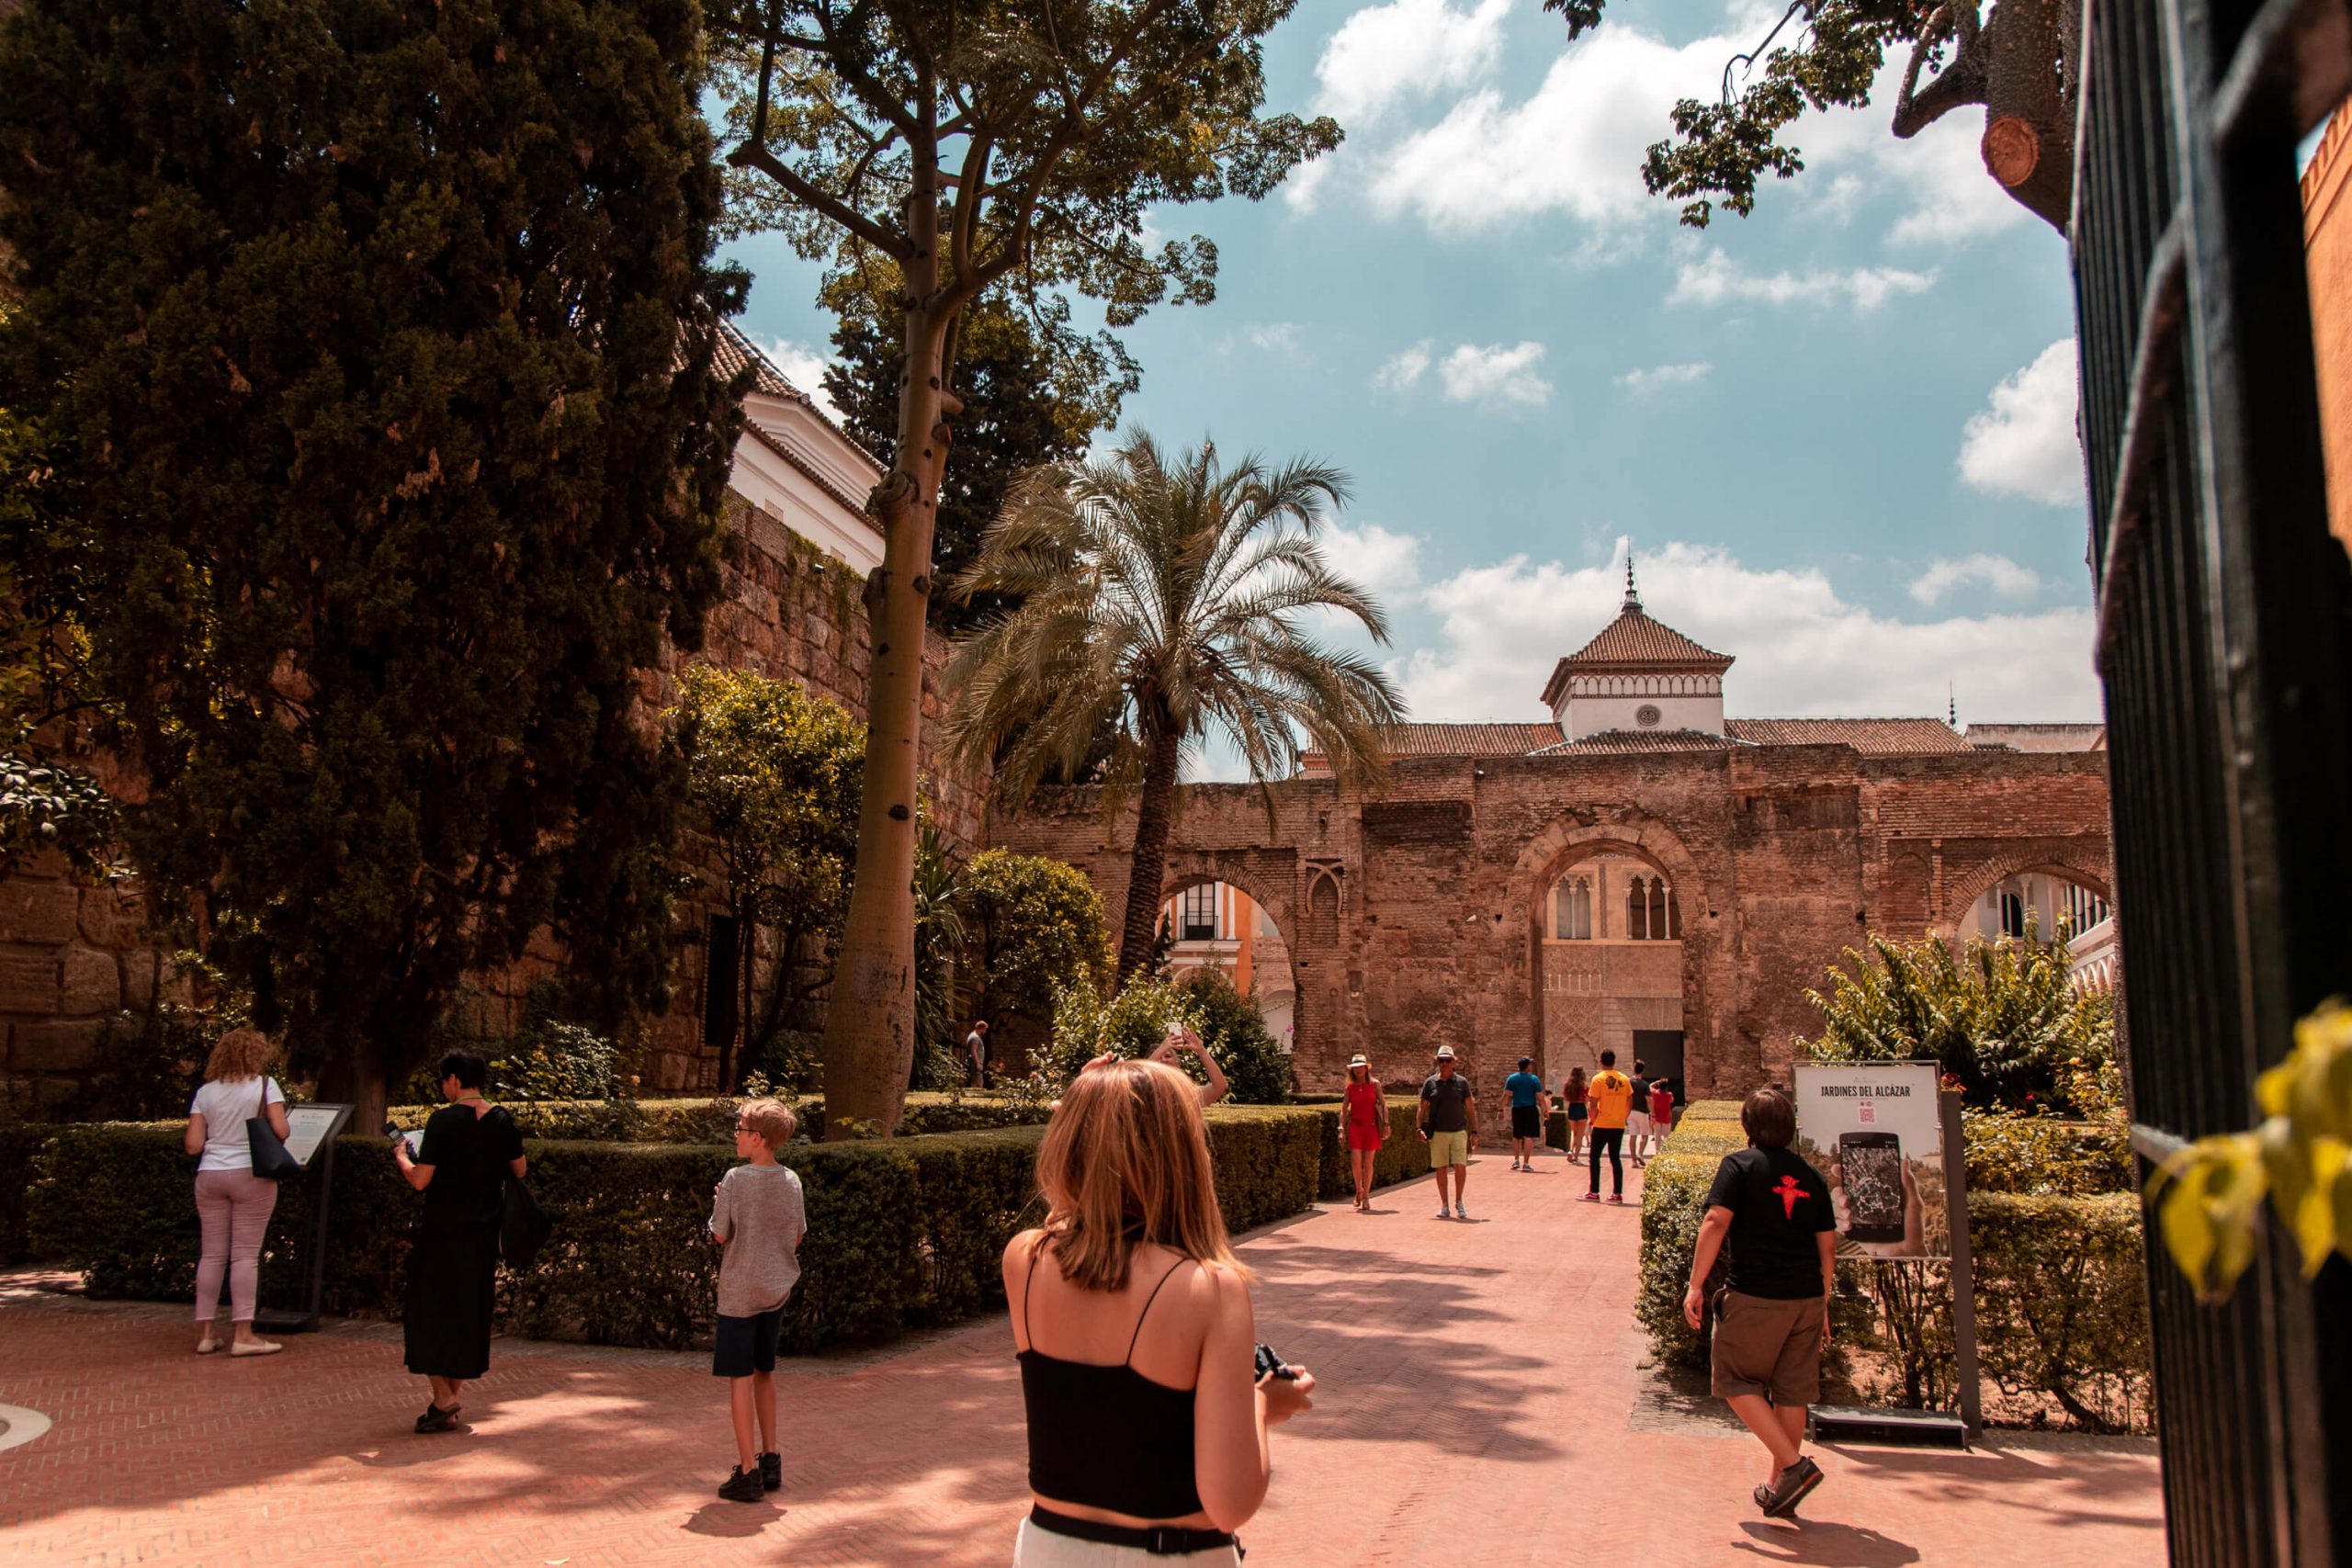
x: 1270, y: 879
x: 1573, y: 838
x: 2069, y: 862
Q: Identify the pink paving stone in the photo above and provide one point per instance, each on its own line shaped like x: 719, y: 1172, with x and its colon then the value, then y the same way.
x: 1482, y: 1401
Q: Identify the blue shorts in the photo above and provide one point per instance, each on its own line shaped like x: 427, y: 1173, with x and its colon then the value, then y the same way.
x: 746, y: 1345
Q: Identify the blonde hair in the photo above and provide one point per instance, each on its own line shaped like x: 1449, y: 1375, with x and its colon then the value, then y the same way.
x: 242, y: 1053
x: 1125, y: 1162
x: 770, y: 1120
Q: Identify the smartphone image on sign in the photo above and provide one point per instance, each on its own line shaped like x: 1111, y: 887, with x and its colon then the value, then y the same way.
x: 1870, y: 1167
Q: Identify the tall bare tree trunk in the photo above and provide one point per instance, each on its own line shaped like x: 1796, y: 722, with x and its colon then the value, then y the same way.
x: 869, y: 1021
x: 1155, y: 814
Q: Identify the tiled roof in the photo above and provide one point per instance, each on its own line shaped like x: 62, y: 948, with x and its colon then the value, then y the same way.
x: 2065, y: 737
x: 1634, y: 638
x: 1609, y: 741
x: 1468, y: 739
x: 855, y: 505
x: 1870, y: 737
x: 736, y: 351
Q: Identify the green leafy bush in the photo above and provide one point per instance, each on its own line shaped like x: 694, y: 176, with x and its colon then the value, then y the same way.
x: 1674, y: 1202
x: 551, y: 1060
x: 19, y: 1141
x: 1235, y: 1031
x: 2044, y: 1155
x: 147, y: 1065
x: 902, y: 1232
x: 1999, y: 1016
x: 1131, y: 1023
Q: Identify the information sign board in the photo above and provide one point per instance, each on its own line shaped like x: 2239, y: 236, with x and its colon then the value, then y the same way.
x: 1875, y: 1131
x: 309, y: 1126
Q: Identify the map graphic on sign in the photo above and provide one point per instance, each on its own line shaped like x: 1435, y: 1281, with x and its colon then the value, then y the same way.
x: 1875, y: 1131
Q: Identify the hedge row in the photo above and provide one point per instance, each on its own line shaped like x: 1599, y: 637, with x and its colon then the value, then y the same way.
x: 708, y: 1119
x: 19, y: 1141
x: 902, y: 1233
x: 2061, y: 1298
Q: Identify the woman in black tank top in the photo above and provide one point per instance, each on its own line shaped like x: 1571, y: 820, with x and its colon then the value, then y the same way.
x: 1132, y: 1322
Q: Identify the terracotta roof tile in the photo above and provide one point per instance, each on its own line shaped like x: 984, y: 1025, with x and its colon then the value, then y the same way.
x: 735, y: 351
x: 1634, y: 638
x: 1468, y: 739
x: 1870, y: 737
x: 1612, y: 741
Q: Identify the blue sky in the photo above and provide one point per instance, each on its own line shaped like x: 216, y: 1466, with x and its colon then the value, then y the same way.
x: 1838, y: 434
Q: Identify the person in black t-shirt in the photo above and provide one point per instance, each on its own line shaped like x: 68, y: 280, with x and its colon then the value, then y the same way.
x: 1772, y: 1320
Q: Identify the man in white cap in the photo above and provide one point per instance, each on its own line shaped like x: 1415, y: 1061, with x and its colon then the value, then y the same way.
x: 1450, y: 1127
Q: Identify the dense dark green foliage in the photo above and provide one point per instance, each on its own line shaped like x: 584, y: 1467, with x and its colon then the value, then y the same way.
x: 1031, y: 925
x: 374, y: 341
x: 902, y: 1232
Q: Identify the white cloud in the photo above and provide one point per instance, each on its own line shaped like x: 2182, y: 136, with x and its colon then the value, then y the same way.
x: 1939, y: 176
x: 1714, y: 279
x: 1802, y: 650
x: 1660, y: 378
x: 1403, y: 369
x: 1387, y: 562
x: 1300, y: 185
x: 805, y: 368
x: 1999, y: 573
x: 1494, y: 376
x: 2023, y: 442
x: 1574, y: 146
x: 1407, y: 48
x: 1284, y: 339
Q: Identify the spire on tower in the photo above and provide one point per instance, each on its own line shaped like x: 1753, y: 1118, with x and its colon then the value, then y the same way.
x: 1951, y: 706
x: 1633, y: 600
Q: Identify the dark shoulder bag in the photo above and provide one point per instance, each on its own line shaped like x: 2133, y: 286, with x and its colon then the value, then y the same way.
x: 271, y: 1162
x: 522, y: 1225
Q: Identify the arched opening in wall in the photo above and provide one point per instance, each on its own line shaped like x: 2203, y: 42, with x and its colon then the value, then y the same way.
x: 2047, y: 904
x: 1609, y: 969
x: 1208, y: 924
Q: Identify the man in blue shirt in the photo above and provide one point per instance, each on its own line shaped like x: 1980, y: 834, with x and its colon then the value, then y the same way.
x: 1528, y: 1106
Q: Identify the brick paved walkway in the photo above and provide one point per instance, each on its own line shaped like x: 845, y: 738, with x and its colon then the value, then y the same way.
x: 1481, y: 1403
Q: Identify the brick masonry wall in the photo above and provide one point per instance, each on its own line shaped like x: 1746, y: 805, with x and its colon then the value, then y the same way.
x: 1414, y: 914
x: 70, y: 957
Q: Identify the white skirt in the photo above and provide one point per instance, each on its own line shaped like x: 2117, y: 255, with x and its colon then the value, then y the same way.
x: 1038, y: 1547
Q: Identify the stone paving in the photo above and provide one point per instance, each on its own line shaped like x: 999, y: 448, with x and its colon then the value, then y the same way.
x: 1483, y: 1400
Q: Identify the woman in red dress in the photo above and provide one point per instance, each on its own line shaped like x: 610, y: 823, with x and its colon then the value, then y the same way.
x: 1367, y: 1127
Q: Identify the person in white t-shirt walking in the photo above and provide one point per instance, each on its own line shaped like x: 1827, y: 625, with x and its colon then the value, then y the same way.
x: 233, y: 1204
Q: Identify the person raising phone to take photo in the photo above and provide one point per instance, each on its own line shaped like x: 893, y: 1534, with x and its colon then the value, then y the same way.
x: 1180, y: 1042
x: 1148, y: 1416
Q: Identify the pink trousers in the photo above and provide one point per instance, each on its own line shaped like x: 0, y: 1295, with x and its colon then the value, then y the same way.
x: 233, y: 1207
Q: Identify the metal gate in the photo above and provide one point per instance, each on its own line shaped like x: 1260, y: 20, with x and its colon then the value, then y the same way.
x: 2224, y: 622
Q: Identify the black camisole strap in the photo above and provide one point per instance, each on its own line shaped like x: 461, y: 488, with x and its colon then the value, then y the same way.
x: 1029, y: 1289
x: 1137, y: 1336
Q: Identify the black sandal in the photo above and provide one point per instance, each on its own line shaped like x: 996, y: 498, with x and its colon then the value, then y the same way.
x: 437, y: 1419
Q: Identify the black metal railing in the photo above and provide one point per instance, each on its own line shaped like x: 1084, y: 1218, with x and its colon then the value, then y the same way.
x: 2225, y: 618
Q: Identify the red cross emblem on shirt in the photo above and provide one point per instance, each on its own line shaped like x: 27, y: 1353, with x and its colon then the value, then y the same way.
x: 1790, y: 1191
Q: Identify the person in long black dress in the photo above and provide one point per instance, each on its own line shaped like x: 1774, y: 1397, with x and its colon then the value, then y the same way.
x: 470, y: 1147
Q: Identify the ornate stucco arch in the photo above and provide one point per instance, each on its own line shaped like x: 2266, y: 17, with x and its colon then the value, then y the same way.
x: 2083, y: 864
x: 1579, y: 835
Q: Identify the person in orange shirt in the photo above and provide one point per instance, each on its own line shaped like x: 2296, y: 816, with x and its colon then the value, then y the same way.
x: 1611, y: 1095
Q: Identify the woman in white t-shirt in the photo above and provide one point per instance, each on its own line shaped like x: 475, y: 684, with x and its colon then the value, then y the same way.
x: 231, y: 1202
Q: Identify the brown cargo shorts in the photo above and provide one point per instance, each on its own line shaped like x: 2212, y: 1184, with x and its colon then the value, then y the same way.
x: 1768, y: 1346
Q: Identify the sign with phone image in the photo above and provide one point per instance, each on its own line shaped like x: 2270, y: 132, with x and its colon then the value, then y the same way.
x: 1875, y: 1132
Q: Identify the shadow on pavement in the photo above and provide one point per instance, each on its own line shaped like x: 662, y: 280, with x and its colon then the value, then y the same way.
x: 1823, y: 1546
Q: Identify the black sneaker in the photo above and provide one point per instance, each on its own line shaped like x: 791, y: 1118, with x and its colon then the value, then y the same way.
x: 771, y: 1471
x: 437, y: 1419
x: 743, y: 1485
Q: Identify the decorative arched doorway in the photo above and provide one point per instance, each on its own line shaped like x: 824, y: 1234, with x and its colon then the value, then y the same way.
x: 1220, y: 916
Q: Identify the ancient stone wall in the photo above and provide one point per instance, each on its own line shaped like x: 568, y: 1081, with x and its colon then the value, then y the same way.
x: 71, y: 958
x: 1415, y: 916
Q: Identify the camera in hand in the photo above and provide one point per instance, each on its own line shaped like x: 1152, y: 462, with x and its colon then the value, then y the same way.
x: 1271, y: 1365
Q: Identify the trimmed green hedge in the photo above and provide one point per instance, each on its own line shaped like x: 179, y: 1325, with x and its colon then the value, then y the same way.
x: 712, y: 1120
x: 19, y: 1141
x: 2061, y: 1300
x: 902, y: 1232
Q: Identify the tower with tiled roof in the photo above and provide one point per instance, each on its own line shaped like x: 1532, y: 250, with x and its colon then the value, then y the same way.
x: 1638, y: 675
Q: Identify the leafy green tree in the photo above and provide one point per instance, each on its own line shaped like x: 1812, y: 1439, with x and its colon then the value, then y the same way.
x: 1998, y: 1015
x: 1031, y: 925
x: 772, y: 778
x: 2019, y: 60
x: 374, y: 346
x: 949, y: 151
x: 1161, y: 603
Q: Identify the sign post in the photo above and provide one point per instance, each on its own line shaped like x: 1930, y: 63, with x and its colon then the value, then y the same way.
x: 1890, y: 1141
x: 311, y: 1132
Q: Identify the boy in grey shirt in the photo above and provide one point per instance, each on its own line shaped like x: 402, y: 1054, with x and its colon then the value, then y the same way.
x: 759, y: 1219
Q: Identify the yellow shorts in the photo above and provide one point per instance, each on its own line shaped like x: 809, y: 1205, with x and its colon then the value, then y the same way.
x: 1449, y: 1148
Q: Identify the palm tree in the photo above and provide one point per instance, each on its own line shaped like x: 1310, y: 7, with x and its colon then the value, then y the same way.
x: 1156, y: 606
